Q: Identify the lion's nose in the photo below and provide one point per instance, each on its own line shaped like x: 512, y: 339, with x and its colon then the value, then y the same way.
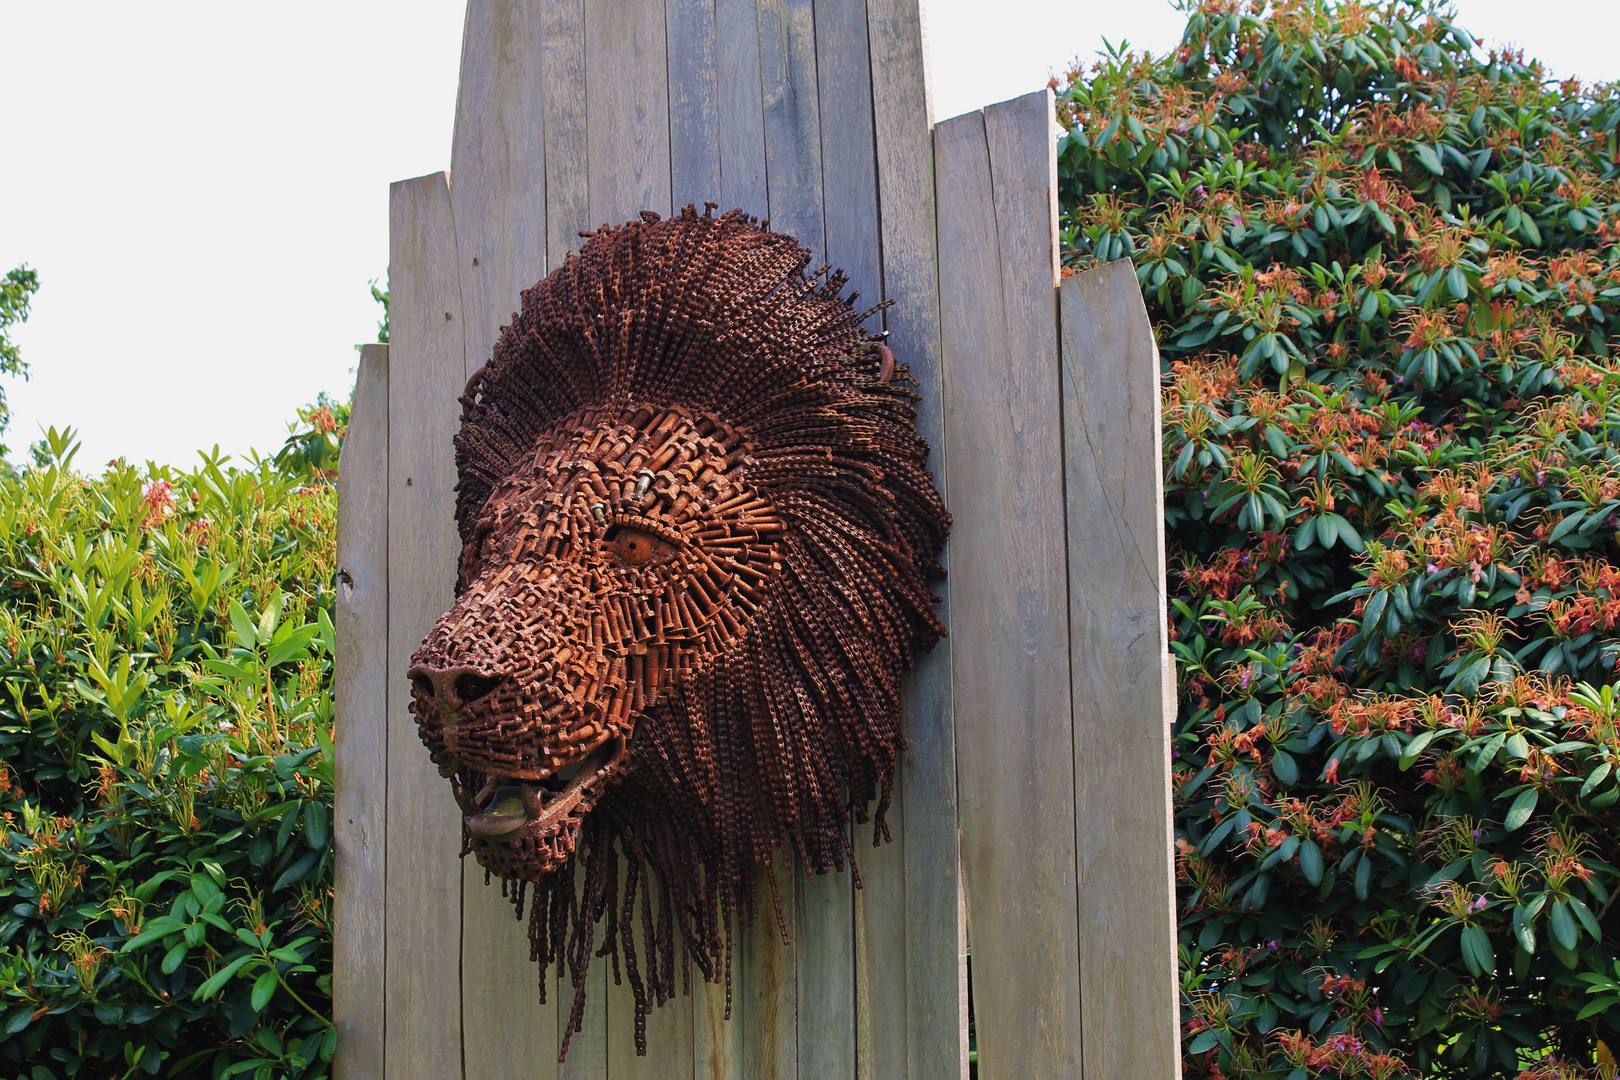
x: 450, y: 689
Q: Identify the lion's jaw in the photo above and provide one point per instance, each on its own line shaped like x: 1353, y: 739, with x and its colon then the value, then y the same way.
x: 628, y: 554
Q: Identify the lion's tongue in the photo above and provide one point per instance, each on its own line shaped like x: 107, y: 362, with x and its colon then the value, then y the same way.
x: 507, y: 809
x: 505, y: 813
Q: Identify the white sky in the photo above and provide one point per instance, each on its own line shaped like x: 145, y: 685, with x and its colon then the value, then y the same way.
x: 202, y: 187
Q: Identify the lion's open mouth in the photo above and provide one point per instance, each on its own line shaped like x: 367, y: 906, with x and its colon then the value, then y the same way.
x: 505, y: 809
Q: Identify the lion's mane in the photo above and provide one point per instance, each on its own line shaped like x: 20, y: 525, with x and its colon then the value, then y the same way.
x: 794, y: 732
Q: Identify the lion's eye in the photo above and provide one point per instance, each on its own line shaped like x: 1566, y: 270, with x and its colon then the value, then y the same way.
x: 633, y: 547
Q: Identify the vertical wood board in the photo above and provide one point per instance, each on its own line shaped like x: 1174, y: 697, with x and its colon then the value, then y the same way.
x: 588, y: 1047
x: 933, y: 1035
x: 627, y: 110
x: 1115, y: 490
x: 1009, y: 615
x: 498, y: 166
x: 694, y: 103
x: 741, y: 108
x: 787, y: 71
x: 562, y: 75
x: 767, y: 983
x: 426, y: 372
x: 360, y: 698
x: 498, y: 195
x: 848, y: 156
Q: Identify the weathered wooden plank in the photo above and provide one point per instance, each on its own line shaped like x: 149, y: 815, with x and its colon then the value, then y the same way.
x: 787, y: 65
x: 669, y: 1029
x: 498, y: 168
x: 1118, y: 660
x: 848, y: 188
x: 507, y: 1032
x: 767, y: 985
x: 627, y: 110
x: 881, y: 1034
x: 741, y: 108
x: 426, y: 372
x: 848, y: 156
x: 1009, y: 623
x: 717, y: 1043
x: 498, y: 195
x: 826, y: 977
x: 360, y: 696
x: 932, y: 1031
x: 694, y: 103
x: 562, y: 76
x: 587, y: 1050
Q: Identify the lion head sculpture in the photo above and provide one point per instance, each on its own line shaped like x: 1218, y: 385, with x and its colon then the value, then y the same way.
x: 697, y: 529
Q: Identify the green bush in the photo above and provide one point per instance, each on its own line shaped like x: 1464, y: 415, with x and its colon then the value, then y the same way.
x: 165, y: 770
x: 1385, y: 274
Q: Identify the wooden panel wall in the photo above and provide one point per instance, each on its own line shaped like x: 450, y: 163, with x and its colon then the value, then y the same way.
x: 814, y: 114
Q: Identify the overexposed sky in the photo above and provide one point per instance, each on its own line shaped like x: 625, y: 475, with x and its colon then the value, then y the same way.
x: 202, y: 187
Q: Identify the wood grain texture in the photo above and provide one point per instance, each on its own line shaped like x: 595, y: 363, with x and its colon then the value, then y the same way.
x: 498, y: 166
x: 694, y: 103
x: 848, y: 157
x: 826, y: 976
x: 1009, y: 620
x: 426, y: 371
x: 717, y: 1043
x: 588, y: 1049
x: 930, y: 1040
x: 742, y: 109
x: 787, y: 66
x: 499, y: 198
x: 562, y: 76
x: 360, y: 696
x: 627, y: 110
x: 936, y: 986
x: 851, y: 242
x: 507, y: 1032
x: 1118, y: 659
x: 669, y: 1031
x: 767, y: 985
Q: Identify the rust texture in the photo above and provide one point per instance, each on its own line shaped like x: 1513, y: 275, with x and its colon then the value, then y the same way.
x: 697, y: 529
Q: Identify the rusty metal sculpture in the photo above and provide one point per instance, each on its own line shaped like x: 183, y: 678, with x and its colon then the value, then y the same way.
x: 697, y: 532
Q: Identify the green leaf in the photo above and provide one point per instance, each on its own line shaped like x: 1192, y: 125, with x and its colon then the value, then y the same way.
x: 160, y: 927
x: 294, y: 644
x: 263, y: 989
x: 1570, y: 523
x: 1562, y: 925
x: 242, y: 624
x: 217, y: 981
x: 1520, y: 811
x: 1310, y: 861
x: 1346, y: 532
x: 1599, y: 774
x: 1477, y: 951
x: 1419, y: 742
x: 1306, y: 535
x: 1457, y: 282
x: 1284, y: 767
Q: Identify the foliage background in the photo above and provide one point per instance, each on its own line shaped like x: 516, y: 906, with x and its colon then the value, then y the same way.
x: 1384, y: 272
x: 165, y: 776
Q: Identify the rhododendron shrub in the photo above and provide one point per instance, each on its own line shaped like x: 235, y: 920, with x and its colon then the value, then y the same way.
x: 165, y: 770
x: 1384, y: 269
